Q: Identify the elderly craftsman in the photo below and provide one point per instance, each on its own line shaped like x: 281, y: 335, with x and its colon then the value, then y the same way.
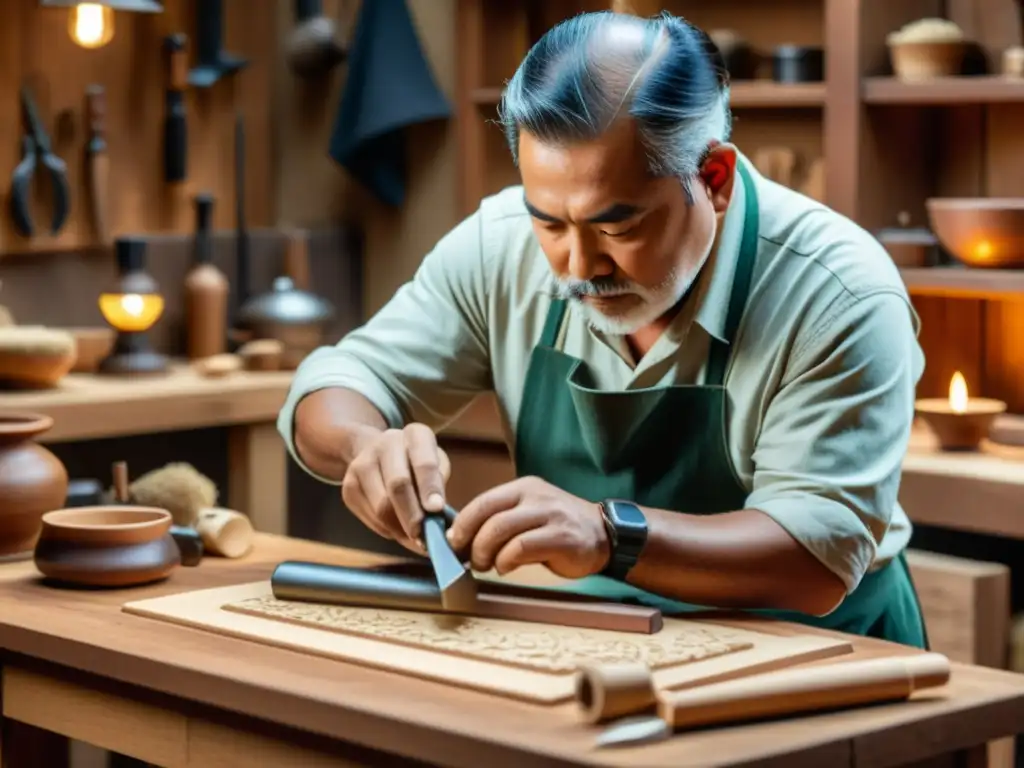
x: 707, y: 379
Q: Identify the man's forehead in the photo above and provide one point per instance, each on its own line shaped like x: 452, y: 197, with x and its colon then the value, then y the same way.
x: 617, y: 154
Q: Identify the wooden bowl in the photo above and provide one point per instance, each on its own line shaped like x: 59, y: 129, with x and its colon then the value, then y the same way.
x: 107, y: 546
x: 959, y: 431
x: 93, y: 344
x: 925, y: 60
x: 35, y: 357
x: 983, y: 232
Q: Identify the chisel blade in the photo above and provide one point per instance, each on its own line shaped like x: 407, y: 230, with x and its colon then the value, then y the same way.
x: 642, y: 729
x: 456, y: 582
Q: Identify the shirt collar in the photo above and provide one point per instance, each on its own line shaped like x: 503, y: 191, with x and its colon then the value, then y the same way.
x: 717, y: 276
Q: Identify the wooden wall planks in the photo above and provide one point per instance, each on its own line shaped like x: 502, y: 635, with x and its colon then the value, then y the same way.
x: 35, y: 48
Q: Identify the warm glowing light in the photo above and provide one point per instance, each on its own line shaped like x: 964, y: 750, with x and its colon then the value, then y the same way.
x: 958, y: 393
x: 91, y: 25
x: 983, y: 250
x: 131, y: 312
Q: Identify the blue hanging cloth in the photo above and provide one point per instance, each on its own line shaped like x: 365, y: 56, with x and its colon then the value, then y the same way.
x: 389, y: 87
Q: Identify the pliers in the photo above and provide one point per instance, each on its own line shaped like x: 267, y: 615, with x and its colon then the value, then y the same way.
x: 36, y: 148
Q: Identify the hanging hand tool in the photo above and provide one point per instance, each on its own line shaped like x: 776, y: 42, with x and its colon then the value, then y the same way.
x: 212, y: 62
x: 175, y: 125
x: 97, y: 160
x: 36, y: 148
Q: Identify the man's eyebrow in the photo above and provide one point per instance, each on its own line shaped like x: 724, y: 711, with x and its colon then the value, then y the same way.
x: 613, y: 214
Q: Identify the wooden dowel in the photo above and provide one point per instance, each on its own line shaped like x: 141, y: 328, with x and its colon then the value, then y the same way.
x: 797, y: 690
x: 120, y: 476
x: 610, y: 691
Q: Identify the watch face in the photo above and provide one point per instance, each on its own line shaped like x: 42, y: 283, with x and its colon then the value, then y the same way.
x: 626, y: 515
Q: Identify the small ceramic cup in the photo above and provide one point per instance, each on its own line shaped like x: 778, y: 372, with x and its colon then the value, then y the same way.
x: 107, y: 546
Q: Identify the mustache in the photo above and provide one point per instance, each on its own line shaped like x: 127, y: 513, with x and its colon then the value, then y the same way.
x: 578, y: 289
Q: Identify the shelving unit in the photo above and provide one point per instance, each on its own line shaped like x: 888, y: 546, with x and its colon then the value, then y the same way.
x: 887, y: 145
x: 961, y: 283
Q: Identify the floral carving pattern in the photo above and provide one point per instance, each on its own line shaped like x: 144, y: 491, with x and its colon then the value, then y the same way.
x: 544, y: 648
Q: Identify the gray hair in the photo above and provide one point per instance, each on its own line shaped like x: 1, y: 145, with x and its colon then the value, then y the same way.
x: 589, y: 70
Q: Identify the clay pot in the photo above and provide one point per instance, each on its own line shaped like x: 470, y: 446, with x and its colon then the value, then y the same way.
x: 107, y: 546
x: 925, y: 60
x: 981, y: 232
x: 32, y: 481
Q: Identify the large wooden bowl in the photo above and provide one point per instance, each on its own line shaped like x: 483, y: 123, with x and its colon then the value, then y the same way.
x: 107, y: 546
x: 35, y: 357
x: 982, y: 232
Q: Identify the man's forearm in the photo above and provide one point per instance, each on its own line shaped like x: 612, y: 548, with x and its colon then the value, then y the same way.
x: 331, y: 426
x: 741, y: 559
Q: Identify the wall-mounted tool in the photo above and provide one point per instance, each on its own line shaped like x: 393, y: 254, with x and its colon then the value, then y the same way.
x: 36, y: 149
x: 241, y: 230
x: 98, y: 161
x: 175, y: 122
x: 212, y: 62
x: 313, y: 48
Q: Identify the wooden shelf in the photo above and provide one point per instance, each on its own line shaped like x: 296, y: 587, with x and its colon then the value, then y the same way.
x: 960, y: 282
x: 744, y: 94
x: 992, y: 89
x: 768, y: 94
x: 977, y: 491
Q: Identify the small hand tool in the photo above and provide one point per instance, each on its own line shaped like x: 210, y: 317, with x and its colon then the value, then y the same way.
x: 36, y: 148
x: 98, y: 162
x: 175, y: 118
x: 458, y: 587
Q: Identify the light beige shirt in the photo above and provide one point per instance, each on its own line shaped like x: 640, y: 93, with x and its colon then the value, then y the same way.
x: 821, y: 381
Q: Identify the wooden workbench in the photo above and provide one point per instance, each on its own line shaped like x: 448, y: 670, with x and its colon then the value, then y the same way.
x: 89, y: 407
x: 75, y: 665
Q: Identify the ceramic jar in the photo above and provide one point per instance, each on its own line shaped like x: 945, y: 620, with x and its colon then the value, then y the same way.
x: 32, y: 481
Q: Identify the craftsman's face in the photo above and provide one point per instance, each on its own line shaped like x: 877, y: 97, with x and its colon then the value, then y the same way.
x: 621, y: 243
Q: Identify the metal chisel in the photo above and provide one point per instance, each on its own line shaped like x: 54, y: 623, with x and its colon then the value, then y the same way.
x: 455, y: 580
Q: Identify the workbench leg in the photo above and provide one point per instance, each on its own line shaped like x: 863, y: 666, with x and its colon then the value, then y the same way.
x: 258, y: 476
x: 972, y: 757
x: 25, y: 746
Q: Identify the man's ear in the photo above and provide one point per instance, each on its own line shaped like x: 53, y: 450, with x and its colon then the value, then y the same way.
x: 718, y: 173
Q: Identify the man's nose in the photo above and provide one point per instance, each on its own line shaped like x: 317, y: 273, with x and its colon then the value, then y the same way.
x: 585, y: 258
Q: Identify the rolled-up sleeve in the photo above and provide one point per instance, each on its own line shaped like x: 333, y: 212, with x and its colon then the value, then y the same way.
x: 424, y: 356
x: 827, y: 461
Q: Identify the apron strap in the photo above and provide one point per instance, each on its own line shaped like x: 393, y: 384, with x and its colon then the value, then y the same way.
x: 718, y: 358
x: 553, y: 323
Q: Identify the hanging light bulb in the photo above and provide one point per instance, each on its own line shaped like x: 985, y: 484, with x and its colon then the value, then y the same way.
x: 91, y: 25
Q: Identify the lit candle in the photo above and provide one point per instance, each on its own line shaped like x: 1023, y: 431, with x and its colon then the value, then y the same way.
x: 959, y: 421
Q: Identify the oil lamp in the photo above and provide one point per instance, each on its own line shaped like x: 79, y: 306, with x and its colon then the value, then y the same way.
x: 131, y: 306
x: 91, y: 24
x: 959, y: 422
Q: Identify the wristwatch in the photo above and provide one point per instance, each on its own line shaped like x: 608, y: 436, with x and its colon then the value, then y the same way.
x: 626, y: 525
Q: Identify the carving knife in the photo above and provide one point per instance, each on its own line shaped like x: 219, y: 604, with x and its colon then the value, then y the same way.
x: 455, y: 580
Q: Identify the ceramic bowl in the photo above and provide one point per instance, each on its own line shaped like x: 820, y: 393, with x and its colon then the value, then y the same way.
x: 93, y: 344
x: 107, y: 546
x: 982, y: 232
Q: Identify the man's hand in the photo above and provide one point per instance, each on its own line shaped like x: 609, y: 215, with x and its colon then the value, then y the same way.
x: 531, y: 521
x: 394, y: 477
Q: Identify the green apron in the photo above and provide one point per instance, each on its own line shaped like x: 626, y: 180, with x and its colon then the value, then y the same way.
x: 666, y: 447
